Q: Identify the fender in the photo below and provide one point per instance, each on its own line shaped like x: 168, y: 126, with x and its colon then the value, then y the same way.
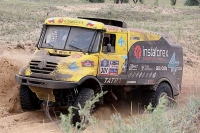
x: 154, y: 87
x: 90, y: 77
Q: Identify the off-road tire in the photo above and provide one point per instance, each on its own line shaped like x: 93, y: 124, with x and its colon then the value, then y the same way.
x: 153, y: 96
x: 84, y: 95
x: 28, y: 99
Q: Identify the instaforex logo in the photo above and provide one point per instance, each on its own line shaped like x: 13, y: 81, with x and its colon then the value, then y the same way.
x: 149, y: 52
x: 137, y: 52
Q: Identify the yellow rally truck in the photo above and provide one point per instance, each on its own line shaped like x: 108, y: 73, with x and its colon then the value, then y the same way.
x: 79, y: 57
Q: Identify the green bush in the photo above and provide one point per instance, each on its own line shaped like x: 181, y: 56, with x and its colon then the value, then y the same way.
x: 65, y: 124
x: 125, y: 1
x: 191, y: 3
x: 141, y: 1
x: 173, y: 2
x: 96, y: 1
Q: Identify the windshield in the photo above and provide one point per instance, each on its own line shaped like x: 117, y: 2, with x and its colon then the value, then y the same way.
x: 69, y: 38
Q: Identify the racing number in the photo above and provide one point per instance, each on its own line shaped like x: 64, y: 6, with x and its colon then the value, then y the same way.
x: 104, y: 70
x: 173, y: 64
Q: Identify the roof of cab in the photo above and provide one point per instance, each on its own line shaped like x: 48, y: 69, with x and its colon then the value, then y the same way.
x: 95, y: 23
x: 65, y: 21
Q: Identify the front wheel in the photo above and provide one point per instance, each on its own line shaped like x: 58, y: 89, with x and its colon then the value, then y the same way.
x: 28, y: 99
x: 84, y: 95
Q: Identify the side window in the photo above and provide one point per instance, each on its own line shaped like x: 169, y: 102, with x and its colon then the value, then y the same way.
x: 109, y: 43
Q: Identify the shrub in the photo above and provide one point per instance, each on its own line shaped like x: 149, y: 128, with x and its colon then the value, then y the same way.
x: 65, y: 124
x: 160, y: 120
x: 191, y: 3
x: 141, y: 1
x: 125, y: 1
x: 173, y: 2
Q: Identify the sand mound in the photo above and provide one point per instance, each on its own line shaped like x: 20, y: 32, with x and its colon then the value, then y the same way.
x: 10, y: 63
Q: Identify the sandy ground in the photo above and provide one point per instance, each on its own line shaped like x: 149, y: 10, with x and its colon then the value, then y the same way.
x: 13, y: 119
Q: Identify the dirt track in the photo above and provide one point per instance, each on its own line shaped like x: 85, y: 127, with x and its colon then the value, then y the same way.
x: 13, y: 119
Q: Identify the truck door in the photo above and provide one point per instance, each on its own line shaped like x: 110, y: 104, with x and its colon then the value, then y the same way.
x: 113, y: 59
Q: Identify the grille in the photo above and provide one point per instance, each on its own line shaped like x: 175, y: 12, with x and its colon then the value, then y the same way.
x: 42, y: 67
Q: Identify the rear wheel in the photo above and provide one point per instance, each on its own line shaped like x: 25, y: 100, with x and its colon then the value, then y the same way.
x: 163, y: 90
x: 28, y: 99
x: 84, y: 95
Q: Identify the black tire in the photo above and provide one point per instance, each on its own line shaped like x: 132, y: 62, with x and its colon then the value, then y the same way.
x: 28, y: 99
x: 153, y: 97
x: 84, y: 95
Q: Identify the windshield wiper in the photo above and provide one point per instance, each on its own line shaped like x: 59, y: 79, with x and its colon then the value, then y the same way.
x: 50, y: 45
x: 81, y: 50
x: 76, y: 47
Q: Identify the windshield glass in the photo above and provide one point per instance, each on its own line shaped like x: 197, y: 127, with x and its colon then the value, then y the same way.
x: 68, y: 38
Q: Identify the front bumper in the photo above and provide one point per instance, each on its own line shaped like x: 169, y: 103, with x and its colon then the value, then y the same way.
x: 44, y: 83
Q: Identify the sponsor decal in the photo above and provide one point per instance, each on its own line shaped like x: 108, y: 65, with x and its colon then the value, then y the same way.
x: 155, y: 52
x: 113, y: 67
x: 104, y: 69
x: 143, y: 75
x: 131, y: 75
x: 60, y: 20
x: 124, y: 56
x: 147, y: 74
x: 71, y: 21
x: 73, y: 66
x: 90, y: 24
x: 87, y: 63
x: 113, y: 29
x: 133, y: 67
x: 137, y: 74
x: 112, y: 80
x: 146, y: 68
x: 150, y: 75
x: 124, y: 66
x: 131, y: 82
x: 51, y: 20
x: 149, y: 53
x: 154, y: 75
x: 109, y: 67
x: 140, y: 75
x: 77, y: 56
x: 173, y: 64
x: 134, y: 38
x: 161, y: 68
x: 137, y: 52
x: 121, y: 41
x: 150, y: 81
